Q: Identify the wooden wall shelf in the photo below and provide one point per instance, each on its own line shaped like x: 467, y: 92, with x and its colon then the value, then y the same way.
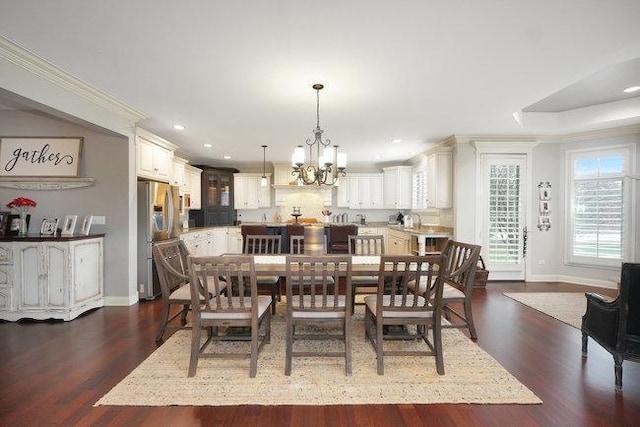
x: 44, y: 183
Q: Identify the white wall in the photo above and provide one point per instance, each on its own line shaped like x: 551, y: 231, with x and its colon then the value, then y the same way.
x: 105, y: 158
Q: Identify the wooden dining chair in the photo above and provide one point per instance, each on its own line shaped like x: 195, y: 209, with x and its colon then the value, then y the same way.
x: 459, y: 277
x: 170, y: 260
x: 240, y: 306
x: 313, y: 299
x: 339, y: 237
x: 266, y: 245
x: 395, y: 303
x: 365, y: 245
x: 461, y: 261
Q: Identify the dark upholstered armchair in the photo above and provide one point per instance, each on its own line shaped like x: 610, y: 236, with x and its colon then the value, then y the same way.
x: 615, y: 325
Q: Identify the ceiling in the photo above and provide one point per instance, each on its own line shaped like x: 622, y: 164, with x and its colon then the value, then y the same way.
x: 239, y: 74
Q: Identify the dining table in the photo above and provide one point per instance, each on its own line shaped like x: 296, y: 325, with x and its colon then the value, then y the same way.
x: 365, y: 265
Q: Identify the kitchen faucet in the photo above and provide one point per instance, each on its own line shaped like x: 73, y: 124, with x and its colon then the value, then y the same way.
x: 411, y: 220
x: 264, y: 218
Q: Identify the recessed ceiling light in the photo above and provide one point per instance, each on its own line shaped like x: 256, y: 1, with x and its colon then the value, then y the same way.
x: 632, y: 89
x: 207, y: 145
x: 396, y: 140
x: 226, y: 157
x: 178, y: 127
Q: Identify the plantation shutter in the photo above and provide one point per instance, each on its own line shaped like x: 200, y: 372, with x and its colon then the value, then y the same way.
x: 598, y: 200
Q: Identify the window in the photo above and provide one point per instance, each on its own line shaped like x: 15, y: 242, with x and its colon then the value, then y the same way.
x: 419, y: 201
x: 598, y: 217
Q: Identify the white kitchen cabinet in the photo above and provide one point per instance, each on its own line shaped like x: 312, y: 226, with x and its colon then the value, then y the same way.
x: 248, y: 192
x: 154, y: 156
x: 397, y: 187
x: 399, y: 243
x: 193, y: 178
x: 440, y: 179
x: 360, y: 191
x: 218, y: 241
x: 178, y: 174
x: 51, y: 279
x: 234, y: 240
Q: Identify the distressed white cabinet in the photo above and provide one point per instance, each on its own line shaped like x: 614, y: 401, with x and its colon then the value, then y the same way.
x: 397, y: 187
x: 154, y: 156
x: 440, y: 179
x: 360, y: 191
x: 248, y: 193
x: 51, y: 279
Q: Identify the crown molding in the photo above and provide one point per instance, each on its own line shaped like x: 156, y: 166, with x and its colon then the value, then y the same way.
x: 591, y: 134
x: 35, y: 64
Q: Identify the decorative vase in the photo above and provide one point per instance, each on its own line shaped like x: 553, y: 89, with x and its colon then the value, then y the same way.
x: 24, y: 227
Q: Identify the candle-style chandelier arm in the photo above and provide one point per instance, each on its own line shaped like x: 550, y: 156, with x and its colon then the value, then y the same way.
x: 323, y: 173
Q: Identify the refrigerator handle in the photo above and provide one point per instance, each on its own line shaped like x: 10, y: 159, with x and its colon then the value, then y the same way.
x: 169, y: 202
x: 169, y: 205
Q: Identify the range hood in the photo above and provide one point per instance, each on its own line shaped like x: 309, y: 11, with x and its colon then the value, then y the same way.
x: 285, y: 184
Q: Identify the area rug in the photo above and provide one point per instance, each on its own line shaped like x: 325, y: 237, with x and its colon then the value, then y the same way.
x: 567, y: 307
x: 471, y: 376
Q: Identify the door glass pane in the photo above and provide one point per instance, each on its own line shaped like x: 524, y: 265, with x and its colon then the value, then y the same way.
x: 212, y: 188
x: 225, y: 191
x: 504, y: 214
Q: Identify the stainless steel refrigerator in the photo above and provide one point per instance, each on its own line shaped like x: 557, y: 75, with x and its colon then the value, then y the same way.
x: 158, y: 220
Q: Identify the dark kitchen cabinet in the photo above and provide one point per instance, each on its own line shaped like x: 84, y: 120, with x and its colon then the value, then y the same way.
x: 217, y: 198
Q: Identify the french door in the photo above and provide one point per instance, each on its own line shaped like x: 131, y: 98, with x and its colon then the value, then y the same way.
x: 503, y: 210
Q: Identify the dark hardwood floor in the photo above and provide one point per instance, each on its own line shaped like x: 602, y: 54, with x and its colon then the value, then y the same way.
x: 53, y: 372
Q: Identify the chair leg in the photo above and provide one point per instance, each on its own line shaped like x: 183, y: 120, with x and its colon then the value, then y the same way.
x: 289, y: 344
x: 183, y: 314
x: 618, y: 372
x: 379, y: 347
x: 267, y: 326
x: 274, y: 297
x: 195, y: 349
x: 347, y: 343
x: 437, y: 344
x: 469, y: 318
x: 163, y: 322
x: 585, y: 338
x: 253, y: 370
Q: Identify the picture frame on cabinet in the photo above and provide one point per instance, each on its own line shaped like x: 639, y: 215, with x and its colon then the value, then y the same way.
x: 49, y: 226
x: 86, y: 225
x: 4, y: 223
x: 69, y: 225
x: 14, y: 224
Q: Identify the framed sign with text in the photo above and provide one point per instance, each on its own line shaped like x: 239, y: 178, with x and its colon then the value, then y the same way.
x: 38, y: 156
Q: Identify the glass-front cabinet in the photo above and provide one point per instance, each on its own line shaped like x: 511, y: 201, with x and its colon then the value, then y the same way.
x: 217, y: 198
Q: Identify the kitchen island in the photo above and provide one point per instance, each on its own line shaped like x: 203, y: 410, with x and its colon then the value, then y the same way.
x: 398, y: 239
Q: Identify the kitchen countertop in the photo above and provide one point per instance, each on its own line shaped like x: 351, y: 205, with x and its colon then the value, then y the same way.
x: 424, y: 230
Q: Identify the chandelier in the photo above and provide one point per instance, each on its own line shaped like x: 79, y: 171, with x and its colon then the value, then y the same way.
x: 322, y: 170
